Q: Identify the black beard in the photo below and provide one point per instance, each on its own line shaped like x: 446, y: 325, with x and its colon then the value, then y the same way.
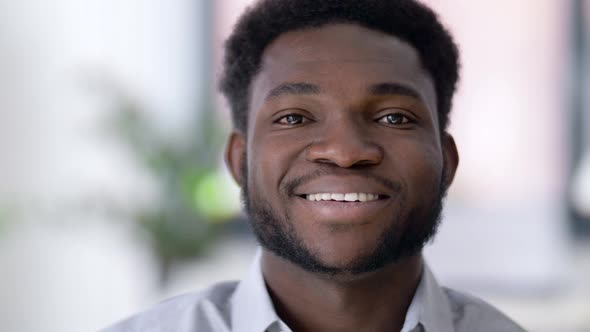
x: 403, y: 239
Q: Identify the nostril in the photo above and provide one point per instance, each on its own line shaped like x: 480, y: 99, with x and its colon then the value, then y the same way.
x: 343, y: 153
x: 324, y: 161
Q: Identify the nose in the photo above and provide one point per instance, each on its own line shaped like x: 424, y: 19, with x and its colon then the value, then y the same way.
x: 346, y: 145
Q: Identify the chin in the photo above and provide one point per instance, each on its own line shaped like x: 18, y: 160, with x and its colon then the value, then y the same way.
x: 344, y: 259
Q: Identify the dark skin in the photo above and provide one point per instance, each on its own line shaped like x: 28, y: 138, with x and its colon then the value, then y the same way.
x: 353, y: 100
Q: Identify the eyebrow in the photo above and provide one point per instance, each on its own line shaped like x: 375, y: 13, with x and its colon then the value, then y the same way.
x: 294, y: 89
x: 379, y: 89
x: 390, y: 88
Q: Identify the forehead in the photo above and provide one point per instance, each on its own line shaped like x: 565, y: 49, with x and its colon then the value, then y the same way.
x: 341, y: 59
x: 337, y: 42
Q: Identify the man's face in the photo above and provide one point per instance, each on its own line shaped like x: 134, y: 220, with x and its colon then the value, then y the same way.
x: 343, y: 168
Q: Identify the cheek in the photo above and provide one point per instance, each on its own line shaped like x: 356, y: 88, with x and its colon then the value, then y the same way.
x: 270, y: 159
x: 423, y: 168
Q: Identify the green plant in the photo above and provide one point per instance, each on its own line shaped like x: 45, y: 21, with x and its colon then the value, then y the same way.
x: 193, y: 203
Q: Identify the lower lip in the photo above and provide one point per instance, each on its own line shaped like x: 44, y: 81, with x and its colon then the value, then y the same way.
x: 343, y: 212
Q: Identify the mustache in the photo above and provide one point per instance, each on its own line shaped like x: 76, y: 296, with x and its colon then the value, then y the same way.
x: 291, y: 185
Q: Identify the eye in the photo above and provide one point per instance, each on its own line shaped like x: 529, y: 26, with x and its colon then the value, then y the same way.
x: 292, y: 120
x: 395, y: 119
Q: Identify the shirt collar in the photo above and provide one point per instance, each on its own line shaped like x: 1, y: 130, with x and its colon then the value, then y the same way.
x: 251, y: 307
x: 429, y: 307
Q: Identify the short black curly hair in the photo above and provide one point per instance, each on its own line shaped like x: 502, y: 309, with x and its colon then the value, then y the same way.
x: 407, y: 20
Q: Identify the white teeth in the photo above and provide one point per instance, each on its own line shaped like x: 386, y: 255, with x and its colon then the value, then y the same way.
x: 362, y: 197
x: 337, y: 197
x: 351, y: 197
x: 348, y: 197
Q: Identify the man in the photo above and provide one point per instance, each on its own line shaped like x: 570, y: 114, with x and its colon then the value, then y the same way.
x: 340, y: 110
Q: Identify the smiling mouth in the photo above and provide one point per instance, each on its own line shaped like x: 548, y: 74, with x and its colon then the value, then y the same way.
x: 343, y: 197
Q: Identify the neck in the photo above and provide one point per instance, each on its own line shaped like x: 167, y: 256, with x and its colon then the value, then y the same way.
x: 376, y: 301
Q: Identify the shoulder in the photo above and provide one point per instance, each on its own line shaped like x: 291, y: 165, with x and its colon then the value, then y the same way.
x: 473, y: 314
x: 203, y: 311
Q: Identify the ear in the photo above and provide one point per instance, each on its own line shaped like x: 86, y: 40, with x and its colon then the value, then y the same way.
x: 451, y: 157
x: 235, y: 151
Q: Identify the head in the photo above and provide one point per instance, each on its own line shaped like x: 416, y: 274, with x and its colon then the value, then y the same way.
x: 340, y: 111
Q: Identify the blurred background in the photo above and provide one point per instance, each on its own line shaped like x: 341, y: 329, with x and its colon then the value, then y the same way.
x: 113, y: 192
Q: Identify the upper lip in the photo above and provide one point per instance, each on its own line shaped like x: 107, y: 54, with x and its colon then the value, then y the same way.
x: 343, y: 184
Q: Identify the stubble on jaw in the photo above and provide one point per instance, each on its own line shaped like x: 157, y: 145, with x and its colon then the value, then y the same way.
x: 402, y: 239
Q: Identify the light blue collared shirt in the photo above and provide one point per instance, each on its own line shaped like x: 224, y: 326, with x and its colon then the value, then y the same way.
x: 247, y: 307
